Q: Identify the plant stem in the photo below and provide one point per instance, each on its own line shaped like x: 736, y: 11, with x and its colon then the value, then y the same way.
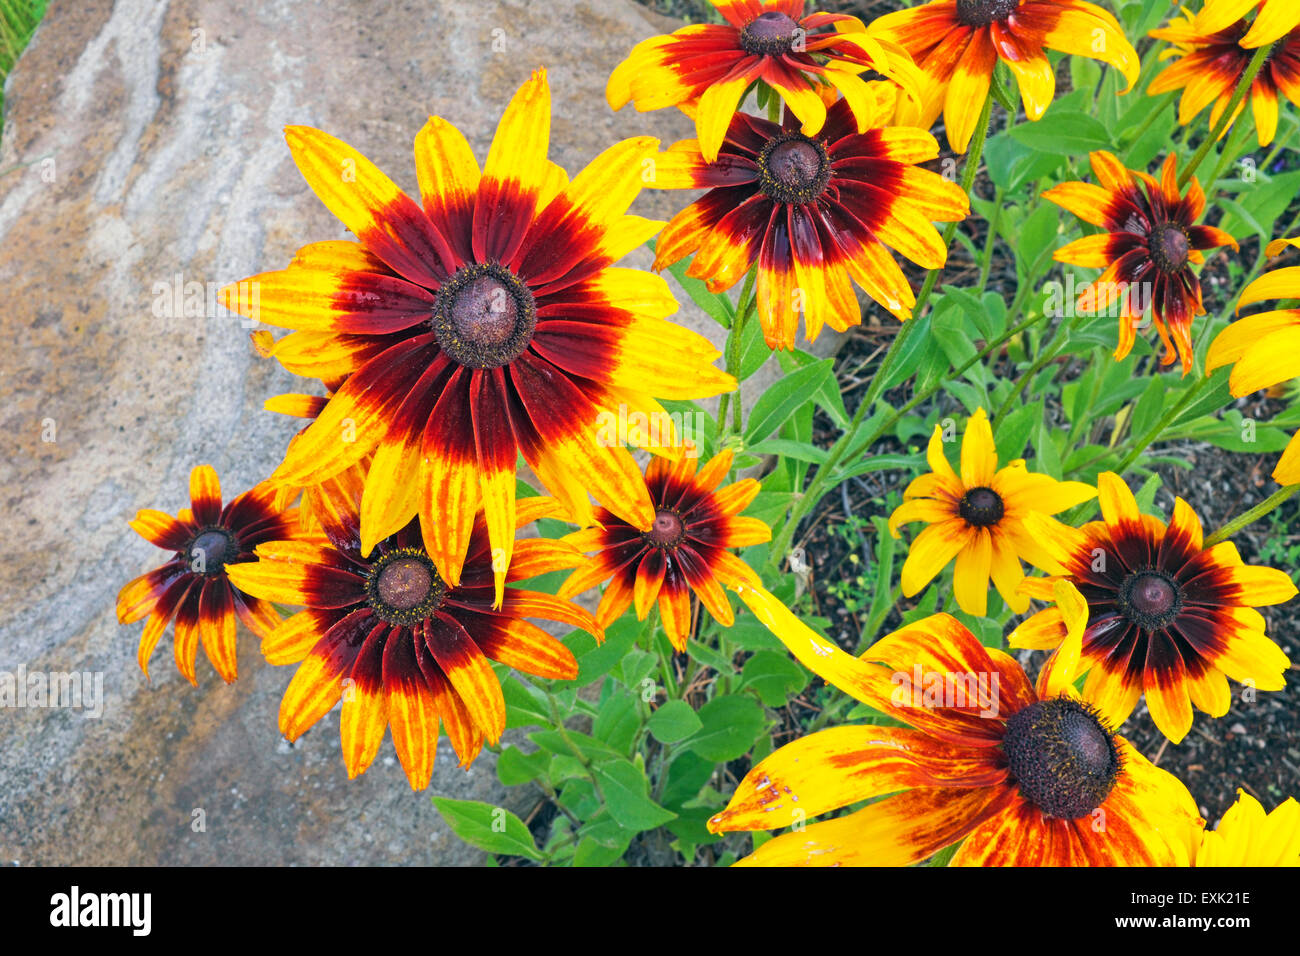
x: 1238, y: 96
x: 743, y: 306
x: 1269, y: 504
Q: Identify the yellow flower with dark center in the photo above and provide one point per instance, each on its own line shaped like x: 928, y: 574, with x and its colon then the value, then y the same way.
x: 957, y: 44
x: 814, y: 212
x: 685, y: 550
x: 1247, y: 836
x: 484, y: 325
x: 414, y: 648
x: 1167, y: 616
x: 1264, y: 349
x: 1024, y: 776
x: 1209, y: 67
x: 706, y: 68
x: 1274, y: 19
x: 194, y: 587
x: 1148, y: 250
x: 977, y: 517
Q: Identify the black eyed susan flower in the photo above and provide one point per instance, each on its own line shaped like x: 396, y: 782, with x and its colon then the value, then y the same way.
x: 414, y: 648
x: 685, y: 550
x: 1024, y: 776
x: 1274, y: 19
x: 957, y: 44
x: 706, y: 68
x: 1167, y: 617
x: 485, y: 324
x: 194, y: 587
x: 1247, y: 836
x: 1264, y: 349
x: 812, y: 211
x: 1147, y: 252
x: 1209, y: 67
x: 977, y: 517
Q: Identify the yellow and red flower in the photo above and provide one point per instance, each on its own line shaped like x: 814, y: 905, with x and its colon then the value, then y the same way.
x: 1167, y: 616
x: 485, y: 324
x: 1247, y: 836
x: 194, y: 587
x: 706, y: 68
x: 1274, y: 19
x: 977, y: 518
x: 1148, y: 250
x: 957, y: 45
x: 1024, y: 776
x: 811, y: 211
x: 1264, y: 349
x: 685, y: 550
x: 1210, y: 65
x: 414, y: 648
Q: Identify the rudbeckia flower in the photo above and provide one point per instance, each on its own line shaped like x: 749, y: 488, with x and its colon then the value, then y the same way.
x: 1024, y: 776
x: 957, y: 44
x: 978, y: 518
x: 812, y: 211
x: 1264, y: 349
x: 1167, y: 617
x: 1209, y: 67
x: 1247, y: 836
x: 194, y: 587
x: 706, y: 68
x: 401, y: 646
x: 1147, y: 251
x: 1274, y: 19
x: 685, y: 550
x: 485, y: 324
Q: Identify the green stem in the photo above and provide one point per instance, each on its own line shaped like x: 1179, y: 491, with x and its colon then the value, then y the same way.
x: 1165, y: 421
x: 986, y: 260
x: 1266, y: 506
x: 1238, y: 96
x: 744, y: 305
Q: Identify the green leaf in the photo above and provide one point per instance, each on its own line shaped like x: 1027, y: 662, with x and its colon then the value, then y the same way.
x: 591, y: 852
x: 779, y: 402
x: 596, y: 660
x: 1063, y: 133
x: 731, y: 724
x: 773, y: 676
x: 617, y: 720
x: 717, y: 307
x: 626, y: 792
x: 674, y: 721
x: 525, y: 704
x: 1013, y: 434
x: 493, y: 829
x: 799, y: 451
x: 514, y: 767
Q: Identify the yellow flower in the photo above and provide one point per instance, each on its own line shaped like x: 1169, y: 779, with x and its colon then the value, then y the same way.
x: 1246, y: 836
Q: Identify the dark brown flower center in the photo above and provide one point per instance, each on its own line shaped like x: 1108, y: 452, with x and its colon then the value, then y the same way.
x: 1063, y: 757
x: 668, y: 529
x: 484, y: 316
x: 772, y: 34
x: 210, y: 550
x: 980, y: 13
x: 981, y: 507
x: 794, y: 169
x: 1170, y: 248
x: 403, y: 587
x: 1150, y: 599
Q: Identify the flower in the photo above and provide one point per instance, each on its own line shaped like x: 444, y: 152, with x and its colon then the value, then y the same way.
x: 706, y: 68
x: 1210, y: 66
x: 1167, y: 616
x: 1246, y: 836
x: 1264, y: 349
x: 812, y: 211
x: 486, y: 324
x: 414, y: 648
x: 195, y: 587
x: 1147, y: 252
x: 957, y: 44
x: 1025, y: 776
x: 978, y: 517
x: 1272, y: 21
x: 686, y: 549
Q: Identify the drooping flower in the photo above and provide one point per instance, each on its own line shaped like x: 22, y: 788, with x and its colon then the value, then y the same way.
x: 194, y: 587
x: 1167, y: 616
x: 812, y: 211
x: 957, y: 44
x: 706, y: 68
x: 1264, y: 349
x: 1147, y: 251
x: 685, y: 550
x: 1274, y: 19
x: 977, y: 517
x: 1247, y: 836
x: 1024, y: 776
x: 1210, y: 66
x: 487, y: 324
x: 414, y: 648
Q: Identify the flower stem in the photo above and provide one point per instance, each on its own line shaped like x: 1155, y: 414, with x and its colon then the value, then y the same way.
x: 1238, y: 96
x: 743, y: 307
x: 1271, y: 503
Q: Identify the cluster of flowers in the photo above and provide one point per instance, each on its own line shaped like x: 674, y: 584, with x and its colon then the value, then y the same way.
x: 489, y: 321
